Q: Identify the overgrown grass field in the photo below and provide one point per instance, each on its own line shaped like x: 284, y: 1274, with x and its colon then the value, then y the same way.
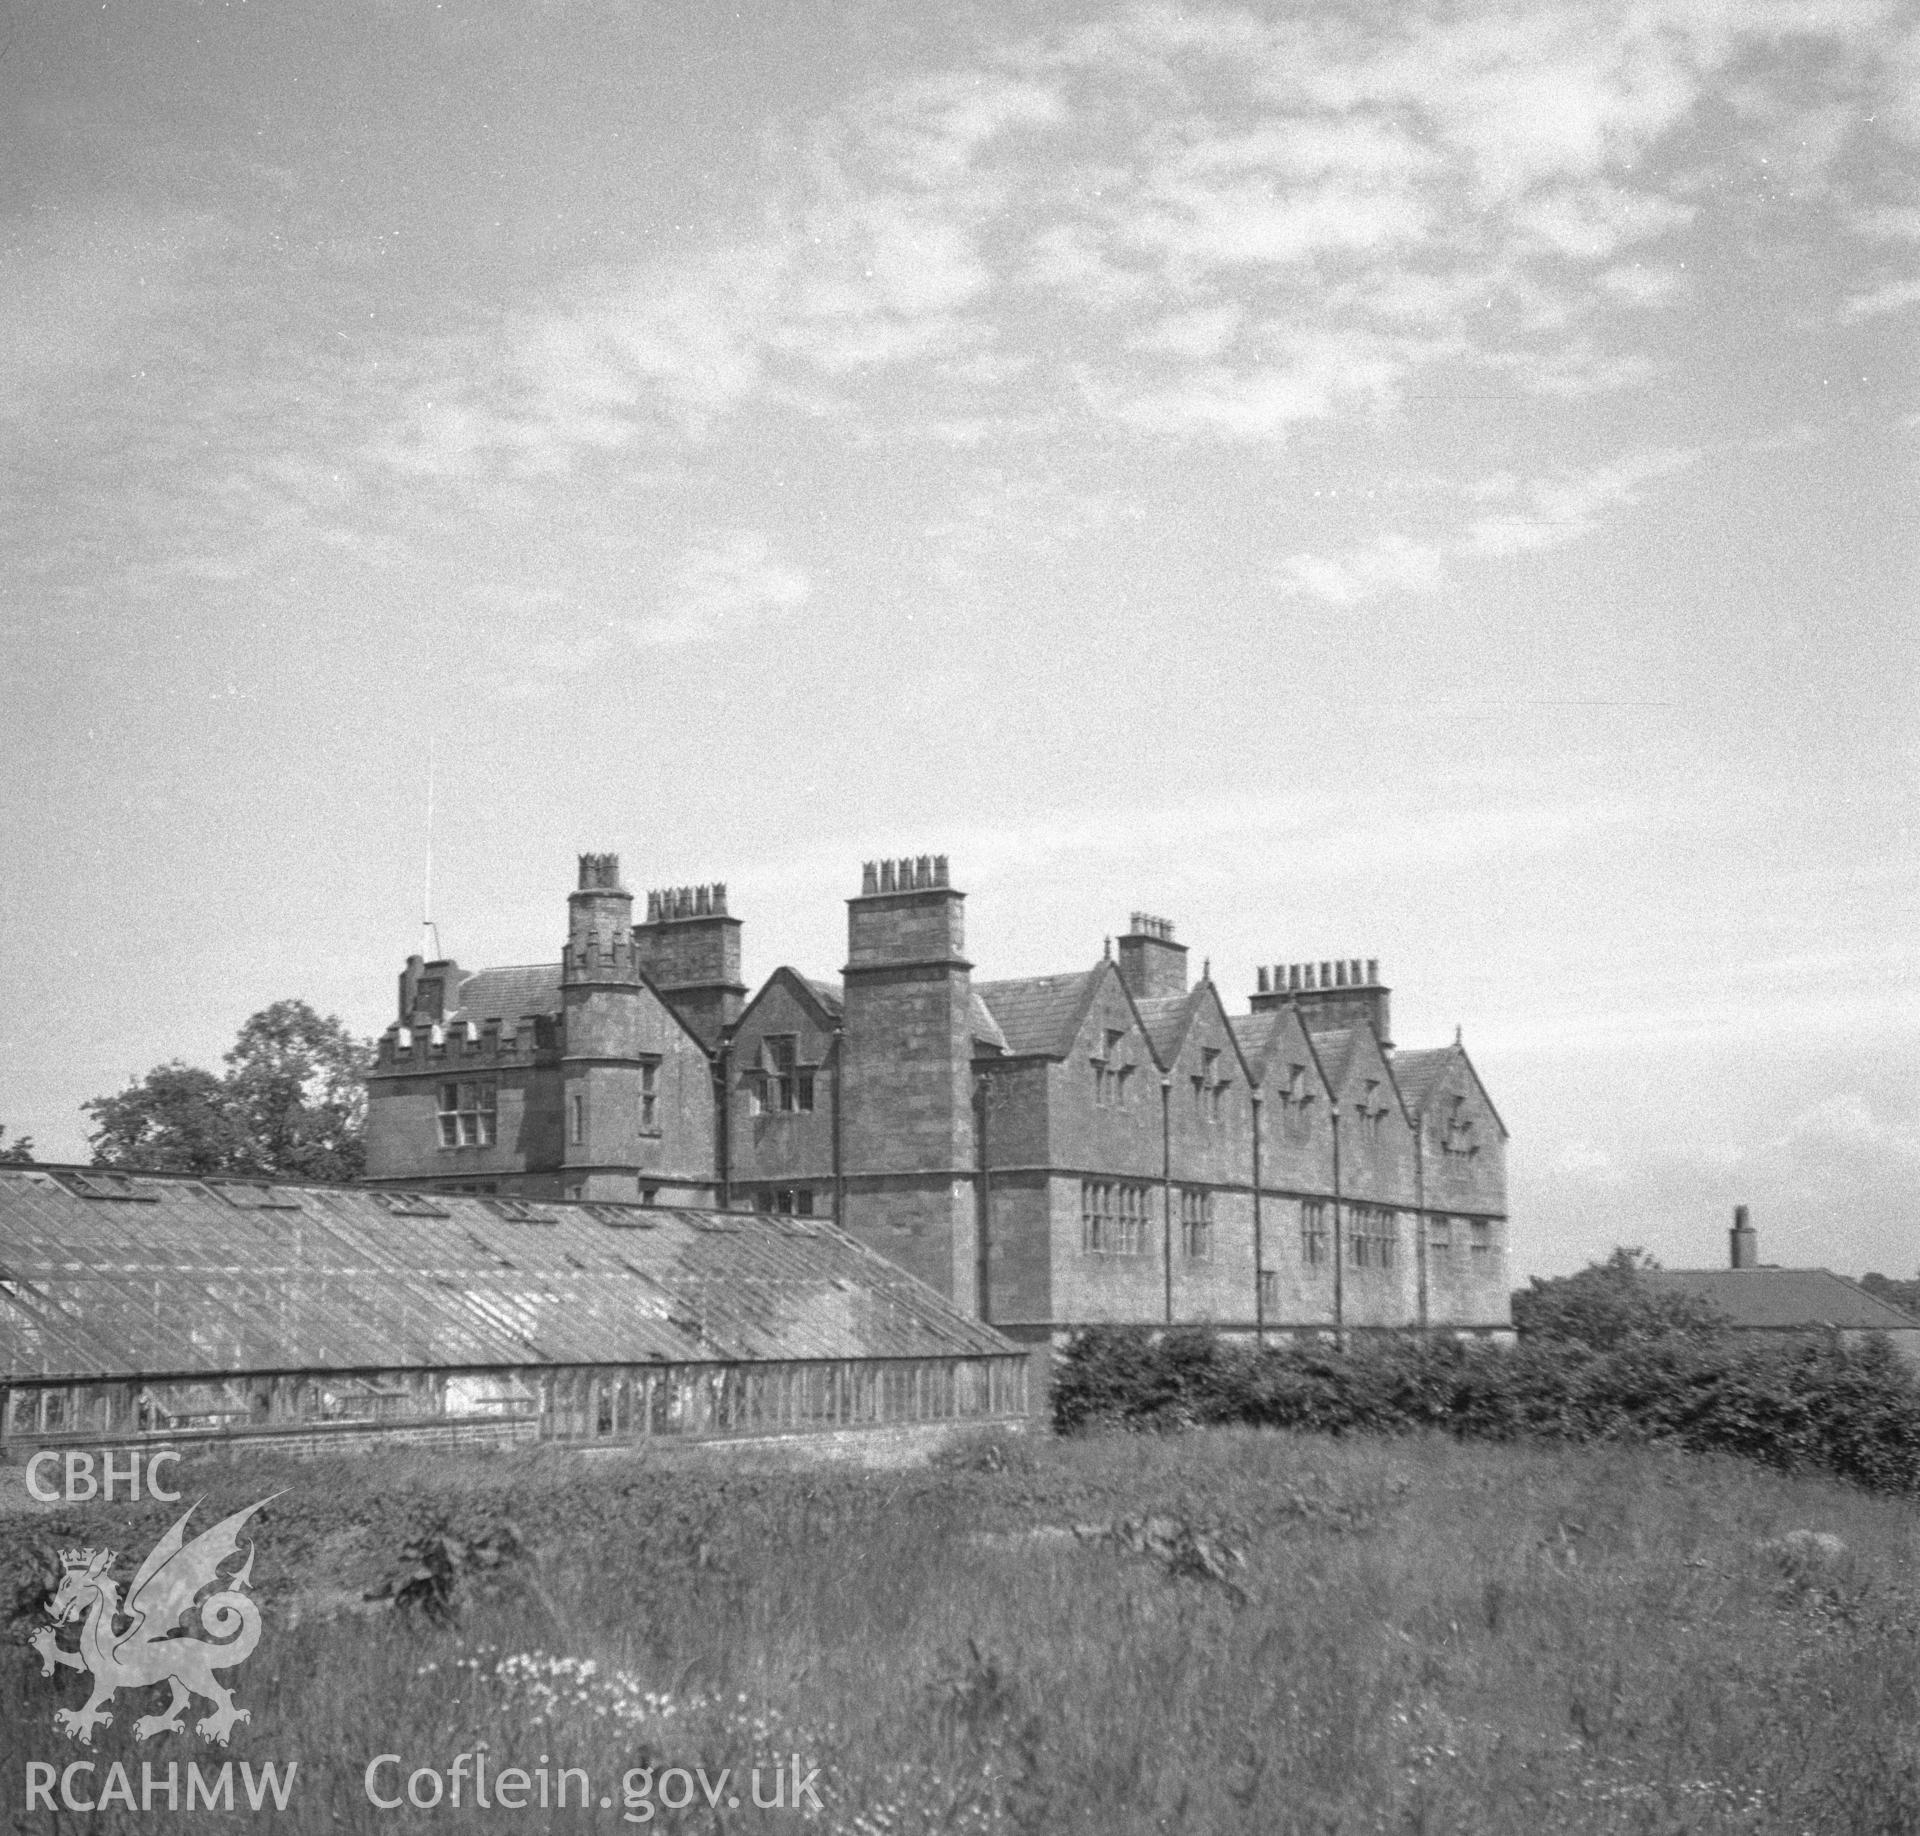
x: 1420, y: 1635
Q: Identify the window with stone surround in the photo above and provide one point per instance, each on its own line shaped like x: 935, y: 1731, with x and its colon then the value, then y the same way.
x: 1439, y: 1235
x: 785, y: 1201
x: 1453, y: 1131
x: 1269, y: 1292
x: 1313, y: 1230
x: 650, y: 1097
x: 1296, y: 1100
x: 1196, y: 1224
x: 780, y: 1084
x: 468, y: 1113
x: 1371, y: 1110
x: 1111, y: 1078
x: 1209, y: 1086
x: 1113, y: 1217
x: 1372, y: 1232
x: 1480, y: 1237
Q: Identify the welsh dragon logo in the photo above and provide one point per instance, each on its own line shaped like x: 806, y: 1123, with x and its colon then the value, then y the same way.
x: 146, y: 1651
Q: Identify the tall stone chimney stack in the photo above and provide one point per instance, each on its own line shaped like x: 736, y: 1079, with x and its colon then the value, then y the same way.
x: 907, y: 1074
x: 1330, y: 995
x: 1151, y: 963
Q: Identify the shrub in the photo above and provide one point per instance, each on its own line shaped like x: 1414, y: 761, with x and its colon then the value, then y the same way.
x: 1853, y: 1412
x: 1607, y: 1306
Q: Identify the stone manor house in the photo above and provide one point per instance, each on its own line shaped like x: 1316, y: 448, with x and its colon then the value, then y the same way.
x: 1108, y: 1144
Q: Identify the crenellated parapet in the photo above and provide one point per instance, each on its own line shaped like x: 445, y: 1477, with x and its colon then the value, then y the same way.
x: 599, y: 945
x: 486, y: 1045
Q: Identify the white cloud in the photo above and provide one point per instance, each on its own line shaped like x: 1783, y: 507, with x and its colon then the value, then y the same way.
x: 1310, y: 378
x: 1392, y: 564
x: 1565, y: 509
x: 1895, y: 296
x: 1502, y: 180
x: 1538, y: 514
x: 1204, y: 331
x: 1594, y: 222
x: 721, y: 586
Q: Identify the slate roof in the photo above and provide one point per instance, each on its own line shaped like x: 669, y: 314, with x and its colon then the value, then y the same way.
x: 1418, y: 1072
x: 1165, y: 1020
x: 1255, y: 1035
x: 506, y: 994
x: 827, y: 995
x: 1784, y: 1298
x: 986, y: 1029
x: 172, y: 1276
x: 1335, y: 1052
x: 1038, y: 1013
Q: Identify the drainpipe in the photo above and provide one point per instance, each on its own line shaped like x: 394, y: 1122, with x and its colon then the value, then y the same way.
x: 1259, y: 1254
x: 983, y: 1270
x: 839, y: 1109
x: 1339, y: 1243
x: 722, y: 1131
x: 1420, y: 1221
x: 1166, y: 1189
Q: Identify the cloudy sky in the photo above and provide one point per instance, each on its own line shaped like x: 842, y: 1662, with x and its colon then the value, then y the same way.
x: 1433, y: 482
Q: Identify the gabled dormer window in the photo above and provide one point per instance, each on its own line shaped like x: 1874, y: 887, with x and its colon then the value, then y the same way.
x: 1209, y: 1087
x: 780, y: 1084
x: 1371, y: 1110
x: 1110, y: 1076
x: 1453, y: 1132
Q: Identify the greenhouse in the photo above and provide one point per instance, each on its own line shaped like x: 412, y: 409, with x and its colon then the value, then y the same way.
x: 139, y: 1306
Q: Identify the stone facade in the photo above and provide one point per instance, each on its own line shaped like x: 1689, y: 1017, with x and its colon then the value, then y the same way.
x: 1107, y: 1145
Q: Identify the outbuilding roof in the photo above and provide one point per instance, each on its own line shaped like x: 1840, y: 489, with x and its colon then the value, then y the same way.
x: 1784, y: 1298
x: 109, y: 1275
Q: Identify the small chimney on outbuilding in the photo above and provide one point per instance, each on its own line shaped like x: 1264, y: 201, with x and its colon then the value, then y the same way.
x: 1745, y: 1241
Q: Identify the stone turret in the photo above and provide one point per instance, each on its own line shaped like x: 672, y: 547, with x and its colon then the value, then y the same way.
x: 600, y: 1065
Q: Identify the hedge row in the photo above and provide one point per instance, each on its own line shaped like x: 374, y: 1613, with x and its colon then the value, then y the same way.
x: 1815, y: 1406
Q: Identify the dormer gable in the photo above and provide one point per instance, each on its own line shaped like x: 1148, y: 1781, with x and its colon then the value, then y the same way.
x: 1360, y: 1080
x: 809, y: 995
x: 1282, y: 1062
x: 1196, y: 1043
x: 1448, y: 1101
x: 1112, y: 1043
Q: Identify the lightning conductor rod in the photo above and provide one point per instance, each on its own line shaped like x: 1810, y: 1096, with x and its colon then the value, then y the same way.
x: 429, y: 931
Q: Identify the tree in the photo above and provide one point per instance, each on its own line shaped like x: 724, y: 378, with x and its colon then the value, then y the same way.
x: 1606, y: 1305
x: 15, y: 1153
x: 299, y: 1084
x: 292, y: 1105
x: 1902, y: 1294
